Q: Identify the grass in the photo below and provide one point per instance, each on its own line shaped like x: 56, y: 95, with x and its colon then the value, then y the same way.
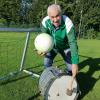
x: 89, y: 74
x: 24, y: 87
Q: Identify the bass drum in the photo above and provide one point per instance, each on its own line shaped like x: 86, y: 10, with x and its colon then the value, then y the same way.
x: 53, y: 84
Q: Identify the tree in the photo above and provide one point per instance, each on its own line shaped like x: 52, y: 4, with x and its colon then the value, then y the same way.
x: 9, y: 10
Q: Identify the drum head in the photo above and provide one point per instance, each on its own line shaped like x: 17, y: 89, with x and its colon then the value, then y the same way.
x: 57, y: 90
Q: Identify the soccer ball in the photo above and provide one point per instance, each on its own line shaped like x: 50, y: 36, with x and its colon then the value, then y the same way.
x: 43, y: 42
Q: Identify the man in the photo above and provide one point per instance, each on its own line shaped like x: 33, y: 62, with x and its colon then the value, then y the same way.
x: 61, y: 28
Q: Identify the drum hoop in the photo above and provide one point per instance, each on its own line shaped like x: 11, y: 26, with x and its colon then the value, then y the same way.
x: 78, y: 91
x: 48, y: 87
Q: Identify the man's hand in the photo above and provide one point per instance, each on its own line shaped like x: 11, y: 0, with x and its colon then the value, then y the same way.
x: 41, y: 53
x: 69, y: 87
x: 70, y: 83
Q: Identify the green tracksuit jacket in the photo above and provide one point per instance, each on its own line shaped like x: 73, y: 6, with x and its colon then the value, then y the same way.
x: 64, y: 36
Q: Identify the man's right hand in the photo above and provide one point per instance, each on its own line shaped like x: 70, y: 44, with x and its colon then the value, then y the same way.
x: 41, y: 53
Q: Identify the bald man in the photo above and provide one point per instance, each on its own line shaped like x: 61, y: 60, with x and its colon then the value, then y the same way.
x: 61, y: 28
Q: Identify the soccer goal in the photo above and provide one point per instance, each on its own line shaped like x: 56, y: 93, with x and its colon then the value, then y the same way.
x: 14, y: 43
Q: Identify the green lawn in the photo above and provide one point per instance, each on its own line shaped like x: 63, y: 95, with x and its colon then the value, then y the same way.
x: 24, y: 87
x: 89, y: 74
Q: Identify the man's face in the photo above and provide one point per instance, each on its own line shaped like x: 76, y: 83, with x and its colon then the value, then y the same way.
x: 55, y: 17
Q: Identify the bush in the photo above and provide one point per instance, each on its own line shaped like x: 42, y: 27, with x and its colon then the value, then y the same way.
x: 2, y: 22
x: 98, y: 35
x: 91, y: 34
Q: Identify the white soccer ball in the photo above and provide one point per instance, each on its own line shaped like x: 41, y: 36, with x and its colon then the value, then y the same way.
x: 43, y: 42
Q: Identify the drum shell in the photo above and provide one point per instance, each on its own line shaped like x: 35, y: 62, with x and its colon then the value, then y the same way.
x: 46, y: 78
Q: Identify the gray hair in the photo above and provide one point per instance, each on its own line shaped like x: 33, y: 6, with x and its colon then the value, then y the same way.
x: 54, y: 7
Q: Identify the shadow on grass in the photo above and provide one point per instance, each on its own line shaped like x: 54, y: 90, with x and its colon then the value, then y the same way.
x: 86, y: 79
x: 13, y: 79
x: 34, y: 97
x: 41, y: 64
x: 18, y: 76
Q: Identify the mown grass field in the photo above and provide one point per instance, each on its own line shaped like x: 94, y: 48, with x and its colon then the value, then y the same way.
x: 24, y: 87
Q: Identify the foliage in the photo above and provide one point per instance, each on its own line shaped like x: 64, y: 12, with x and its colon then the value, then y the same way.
x: 84, y: 13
